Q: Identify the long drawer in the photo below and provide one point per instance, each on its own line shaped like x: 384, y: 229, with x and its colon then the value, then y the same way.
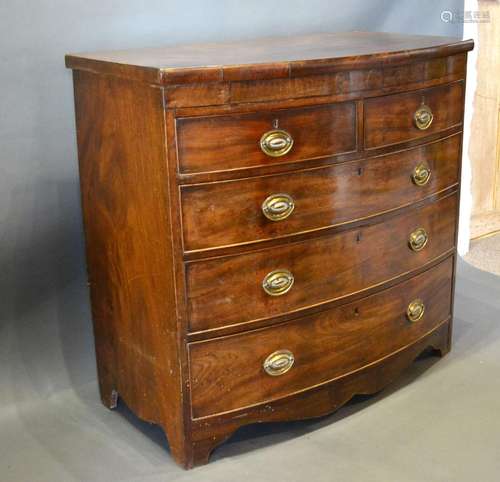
x: 248, y: 210
x: 294, y: 276
x: 392, y: 119
x: 256, y: 367
x: 232, y: 141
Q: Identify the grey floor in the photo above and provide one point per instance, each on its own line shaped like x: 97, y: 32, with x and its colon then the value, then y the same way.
x: 439, y: 422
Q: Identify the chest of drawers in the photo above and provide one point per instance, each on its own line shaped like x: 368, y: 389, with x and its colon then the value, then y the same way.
x: 270, y: 225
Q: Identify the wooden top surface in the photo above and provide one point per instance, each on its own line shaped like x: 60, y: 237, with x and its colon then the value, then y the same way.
x: 266, y: 58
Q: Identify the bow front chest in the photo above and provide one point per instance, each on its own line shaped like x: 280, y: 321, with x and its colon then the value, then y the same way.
x: 270, y: 225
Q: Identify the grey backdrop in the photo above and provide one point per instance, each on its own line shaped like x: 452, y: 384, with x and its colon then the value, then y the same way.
x: 45, y: 332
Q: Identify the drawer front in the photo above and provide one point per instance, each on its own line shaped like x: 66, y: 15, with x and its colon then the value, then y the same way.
x: 248, y: 210
x: 274, y: 281
x: 228, y: 373
x: 223, y: 142
x: 392, y: 119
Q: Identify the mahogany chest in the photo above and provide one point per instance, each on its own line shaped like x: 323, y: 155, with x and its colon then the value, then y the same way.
x: 270, y: 225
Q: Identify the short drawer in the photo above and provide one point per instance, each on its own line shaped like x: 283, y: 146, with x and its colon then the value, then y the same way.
x: 223, y: 142
x: 398, y: 118
x: 286, y: 278
x: 243, y: 211
x: 238, y: 371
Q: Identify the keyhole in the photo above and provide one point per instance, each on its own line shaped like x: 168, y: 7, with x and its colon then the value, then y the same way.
x: 358, y: 237
x: 360, y: 171
x: 276, y: 123
x: 356, y: 311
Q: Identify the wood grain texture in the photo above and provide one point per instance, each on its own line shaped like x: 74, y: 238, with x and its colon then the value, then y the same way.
x: 129, y: 257
x: 228, y: 142
x: 389, y: 120
x: 267, y: 58
x: 368, y: 82
x: 342, y: 193
x: 325, y: 268
x: 208, y: 432
x: 326, y: 87
x: 172, y: 181
x: 325, y: 346
x: 288, y: 167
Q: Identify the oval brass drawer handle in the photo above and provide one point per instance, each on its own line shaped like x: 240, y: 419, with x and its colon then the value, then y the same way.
x: 418, y: 239
x: 415, y: 310
x: 278, y: 206
x: 276, y: 143
x: 278, y: 363
x: 423, y: 117
x: 421, y: 175
x: 278, y: 282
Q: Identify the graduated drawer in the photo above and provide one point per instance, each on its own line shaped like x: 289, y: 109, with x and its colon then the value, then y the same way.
x: 222, y: 142
x: 398, y: 118
x: 243, y: 211
x: 274, y: 281
x: 241, y: 370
